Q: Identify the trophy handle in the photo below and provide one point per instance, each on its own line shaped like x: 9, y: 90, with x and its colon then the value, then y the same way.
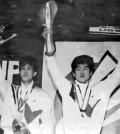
x: 47, y: 15
x: 51, y: 10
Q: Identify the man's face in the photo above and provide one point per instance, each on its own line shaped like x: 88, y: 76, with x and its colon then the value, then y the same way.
x: 82, y: 73
x: 27, y: 73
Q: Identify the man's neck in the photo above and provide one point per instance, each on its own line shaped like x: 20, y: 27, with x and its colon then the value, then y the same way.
x: 86, y: 83
x: 26, y: 84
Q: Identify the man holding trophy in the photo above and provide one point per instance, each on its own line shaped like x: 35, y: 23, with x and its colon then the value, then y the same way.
x: 75, y: 119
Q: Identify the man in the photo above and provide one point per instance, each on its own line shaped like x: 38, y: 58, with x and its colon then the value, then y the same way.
x: 86, y: 97
x: 85, y: 69
x: 26, y: 108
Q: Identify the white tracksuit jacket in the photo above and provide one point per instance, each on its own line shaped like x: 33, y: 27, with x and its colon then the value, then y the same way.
x: 36, y: 110
x: 72, y: 121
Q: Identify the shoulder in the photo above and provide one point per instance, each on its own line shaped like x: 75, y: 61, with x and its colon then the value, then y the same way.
x: 15, y: 86
x: 41, y: 92
x: 96, y: 85
x: 42, y: 96
x: 99, y: 90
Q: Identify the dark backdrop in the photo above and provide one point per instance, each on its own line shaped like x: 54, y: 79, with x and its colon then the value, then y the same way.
x: 72, y: 22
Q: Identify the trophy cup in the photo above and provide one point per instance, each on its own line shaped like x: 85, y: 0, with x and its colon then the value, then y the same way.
x: 47, y: 15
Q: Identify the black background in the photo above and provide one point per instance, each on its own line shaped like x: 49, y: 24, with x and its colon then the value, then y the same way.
x: 72, y: 22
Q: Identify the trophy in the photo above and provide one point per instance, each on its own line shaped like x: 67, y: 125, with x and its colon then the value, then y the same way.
x: 47, y: 15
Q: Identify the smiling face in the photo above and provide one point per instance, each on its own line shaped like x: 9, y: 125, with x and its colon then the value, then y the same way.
x: 82, y: 73
x: 27, y: 73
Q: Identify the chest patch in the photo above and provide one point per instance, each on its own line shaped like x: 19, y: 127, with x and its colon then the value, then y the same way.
x: 29, y: 115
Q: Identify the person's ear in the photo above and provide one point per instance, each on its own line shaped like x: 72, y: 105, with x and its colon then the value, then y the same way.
x: 73, y: 74
x: 35, y: 73
x: 91, y: 74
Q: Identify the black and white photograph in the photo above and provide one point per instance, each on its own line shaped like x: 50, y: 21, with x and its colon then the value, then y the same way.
x: 60, y: 67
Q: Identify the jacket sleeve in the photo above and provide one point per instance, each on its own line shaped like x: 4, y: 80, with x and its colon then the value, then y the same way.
x: 58, y: 106
x: 62, y: 84
x: 111, y: 82
x: 103, y: 91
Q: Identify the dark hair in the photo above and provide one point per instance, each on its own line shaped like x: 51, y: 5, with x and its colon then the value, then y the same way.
x: 82, y: 59
x: 28, y: 60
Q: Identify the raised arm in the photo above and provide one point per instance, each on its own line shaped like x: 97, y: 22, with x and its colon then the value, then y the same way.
x: 104, y: 89
x: 58, y: 78
x: 63, y: 85
x: 112, y: 81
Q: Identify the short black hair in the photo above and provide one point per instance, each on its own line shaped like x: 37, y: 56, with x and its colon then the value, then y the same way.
x: 82, y: 59
x: 28, y: 60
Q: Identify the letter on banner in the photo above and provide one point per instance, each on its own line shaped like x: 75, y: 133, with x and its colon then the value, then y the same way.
x: 12, y: 70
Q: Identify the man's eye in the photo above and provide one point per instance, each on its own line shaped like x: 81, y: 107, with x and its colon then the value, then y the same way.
x: 22, y: 68
x: 29, y: 68
x: 85, y: 68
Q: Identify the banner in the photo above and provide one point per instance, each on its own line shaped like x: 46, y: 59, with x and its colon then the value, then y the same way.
x: 105, y: 56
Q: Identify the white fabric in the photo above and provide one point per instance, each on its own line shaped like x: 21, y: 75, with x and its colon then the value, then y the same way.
x: 38, y: 100
x: 81, y: 88
x: 73, y: 123
x: 24, y: 93
x: 23, y: 89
